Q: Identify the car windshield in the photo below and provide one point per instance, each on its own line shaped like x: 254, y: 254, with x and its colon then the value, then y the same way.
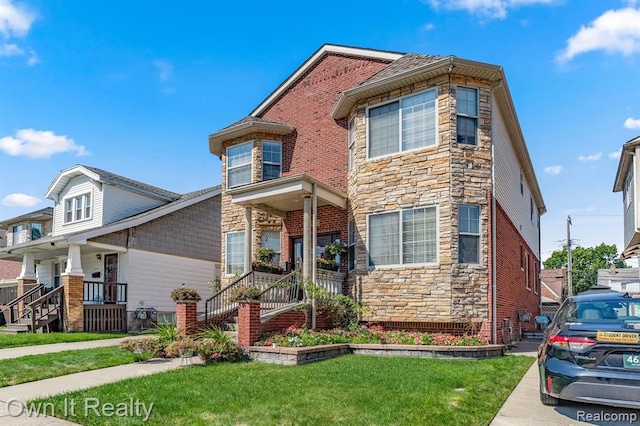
x: 609, y: 311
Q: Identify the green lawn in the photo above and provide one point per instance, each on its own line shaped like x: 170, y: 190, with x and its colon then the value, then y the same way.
x: 31, y: 339
x: 37, y: 367
x: 349, y: 390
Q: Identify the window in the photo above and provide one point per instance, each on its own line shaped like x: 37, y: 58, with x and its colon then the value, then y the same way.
x: 17, y: 234
x: 239, y: 160
x: 235, y: 253
x: 467, y: 118
x: 627, y: 189
x: 521, y: 184
x: 36, y: 231
x: 77, y: 208
x: 468, y: 234
x: 531, y: 209
x: 351, y: 243
x: 352, y: 143
x: 407, y: 124
x: 403, y: 237
x: 271, y: 160
x: 58, y: 268
x: 271, y: 239
x: 526, y: 271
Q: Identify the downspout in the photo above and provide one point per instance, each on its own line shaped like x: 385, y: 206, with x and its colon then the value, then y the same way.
x: 494, y: 283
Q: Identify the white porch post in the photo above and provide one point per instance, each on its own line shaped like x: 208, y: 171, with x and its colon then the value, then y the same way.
x: 307, y: 253
x: 248, y: 239
x: 28, y: 267
x: 314, y: 264
x: 74, y: 265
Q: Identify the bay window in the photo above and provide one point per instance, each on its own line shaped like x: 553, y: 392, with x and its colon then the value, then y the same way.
x: 467, y: 115
x: 271, y: 160
x: 235, y: 253
x: 468, y: 233
x: 239, y: 161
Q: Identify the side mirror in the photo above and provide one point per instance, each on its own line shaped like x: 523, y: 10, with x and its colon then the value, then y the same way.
x: 542, y: 320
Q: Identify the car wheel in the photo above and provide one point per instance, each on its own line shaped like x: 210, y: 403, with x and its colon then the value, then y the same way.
x: 549, y: 400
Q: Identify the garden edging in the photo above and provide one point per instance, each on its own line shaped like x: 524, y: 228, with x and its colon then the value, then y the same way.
x: 304, y: 355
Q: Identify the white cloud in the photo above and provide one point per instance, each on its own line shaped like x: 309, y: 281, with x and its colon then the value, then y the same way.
x: 429, y: 26
x: 632, y: 123
x: 20, y: 200
x: 39, y: 144
x: 15, y: 19
x: 488, y: 8
x: 615, y: 31
x: 11, y: 49
x: 591, y: 157
x: 553, y: 170
x: 165, y: 69
x: 615, y: 154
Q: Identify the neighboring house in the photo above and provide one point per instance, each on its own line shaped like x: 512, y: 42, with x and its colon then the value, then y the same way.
x: 552, y: 282
x: 626, y: 280
x: 416, y: 163
x: 627, y: 181
x: 117, y: 247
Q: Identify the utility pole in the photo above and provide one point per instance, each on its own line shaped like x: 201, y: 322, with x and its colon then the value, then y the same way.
x: 569, y: 259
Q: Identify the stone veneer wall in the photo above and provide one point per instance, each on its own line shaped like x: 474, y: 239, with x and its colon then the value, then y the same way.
x: 443, y: 175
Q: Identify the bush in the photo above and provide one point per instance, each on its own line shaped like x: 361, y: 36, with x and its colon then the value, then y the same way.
x: 211, y: 351
x: 143, y: 347
x: 183, y: 347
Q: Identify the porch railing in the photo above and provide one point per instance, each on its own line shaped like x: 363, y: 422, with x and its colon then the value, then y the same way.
x: 45, y: 309
x: 99, y: 293
x: 105, y: 318
x: 16, y: 306
x: 286, y: 291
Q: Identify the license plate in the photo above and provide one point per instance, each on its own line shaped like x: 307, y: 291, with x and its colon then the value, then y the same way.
x: 617, y: 337
x: 631, y: 360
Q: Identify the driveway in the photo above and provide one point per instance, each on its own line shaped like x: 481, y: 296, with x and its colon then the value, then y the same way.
x: 523, y: 407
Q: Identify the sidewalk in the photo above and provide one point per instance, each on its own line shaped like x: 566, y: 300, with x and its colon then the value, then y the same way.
x: 57, y: 347
x: 12, y: 397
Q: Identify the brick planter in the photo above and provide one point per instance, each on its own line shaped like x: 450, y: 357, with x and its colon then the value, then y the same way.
x: 187, y: 316
x: 249, y: 329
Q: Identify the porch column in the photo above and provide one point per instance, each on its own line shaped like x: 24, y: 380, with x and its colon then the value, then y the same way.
x: 307, y: 252
x: 73, y: 283
x: 28, y: 267
x: 248, y: 240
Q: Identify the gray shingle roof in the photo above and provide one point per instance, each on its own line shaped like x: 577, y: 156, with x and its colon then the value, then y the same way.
x: 134, y: 184
x: 406, y: 63
x: 248, y: 119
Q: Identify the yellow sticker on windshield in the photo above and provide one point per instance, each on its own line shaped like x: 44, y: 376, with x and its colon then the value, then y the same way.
x: 617, y: 337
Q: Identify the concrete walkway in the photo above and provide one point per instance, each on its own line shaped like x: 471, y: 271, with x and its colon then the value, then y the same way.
x: 12, y: 398
x: 523, y: 407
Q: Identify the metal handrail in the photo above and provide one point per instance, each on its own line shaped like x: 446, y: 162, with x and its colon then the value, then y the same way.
x: 97, y: 292
x: 218, y: 307
x: 285, y: 291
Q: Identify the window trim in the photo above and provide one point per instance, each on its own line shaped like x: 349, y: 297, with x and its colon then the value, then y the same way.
x: 83, y: 208
x: 473, y: 234
x: 40, y: 225
x: 351, y: 135
x: 278, y: 251
x: 227, y: 168
x: 400, y: 240
x: 351, y: 244
x: 399, y: 100
x: 226, y: 252
x: 476, y: 117
x: 279, y: 143
x: 527, y: 272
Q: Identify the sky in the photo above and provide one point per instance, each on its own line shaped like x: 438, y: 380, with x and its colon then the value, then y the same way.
x: 136, y: 87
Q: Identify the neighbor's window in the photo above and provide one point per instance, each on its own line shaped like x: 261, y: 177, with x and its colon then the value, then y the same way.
x: 403, y: 125
x: 36, y: 231
x: 271, y: 160
x: 467, y: 118
x: 403, y: 237
x: 271, y: 239
x: 351, y: 243
x: 235, y: 253
x: 468, y: 233
x: 16, y: 232
x: 239, y: 160
x: 352, y: 143
x: 77, y: 208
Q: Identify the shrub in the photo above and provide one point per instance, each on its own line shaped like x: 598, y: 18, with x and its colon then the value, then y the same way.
x: 185, y: 295
x: 143, y: 347
x: 216, y: 334
x: 167, y: 332
x: 183, y: 347
x: 245, y: 292
x: 211, y: 351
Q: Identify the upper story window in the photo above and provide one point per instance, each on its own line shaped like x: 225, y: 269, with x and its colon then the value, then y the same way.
x: 403, y: 125
x: 627, y: 189
x: 36, y: 231
x: 16, y: 232
x: 467, y: 118
x: 77, y: 208
x: 239, y: 160
x: 521, y: 184
x: 352, y: 143
x: 468, y: 233
x: 351, y: 243
x: 403, y: 237
x: 271, y: 160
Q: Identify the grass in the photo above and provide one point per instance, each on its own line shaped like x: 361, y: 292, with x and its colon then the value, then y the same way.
x: 350, y: 390
x: 32, y: 339
x: 38, y: 367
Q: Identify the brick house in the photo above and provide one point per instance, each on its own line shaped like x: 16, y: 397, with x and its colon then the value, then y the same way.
x: 115, y: 248
x: 416, y: 163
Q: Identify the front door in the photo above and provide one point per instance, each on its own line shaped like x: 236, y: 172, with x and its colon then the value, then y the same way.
x: 111, y: 278
x: 323, y: 240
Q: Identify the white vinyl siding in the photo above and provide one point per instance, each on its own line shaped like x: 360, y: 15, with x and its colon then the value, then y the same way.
x: 403, y: 125
x: 119, y: 203
x: 507, y: 177
x: 403, y: 237
x: 152, y: 276
x: 239, y: 164
x: 64, y: 211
